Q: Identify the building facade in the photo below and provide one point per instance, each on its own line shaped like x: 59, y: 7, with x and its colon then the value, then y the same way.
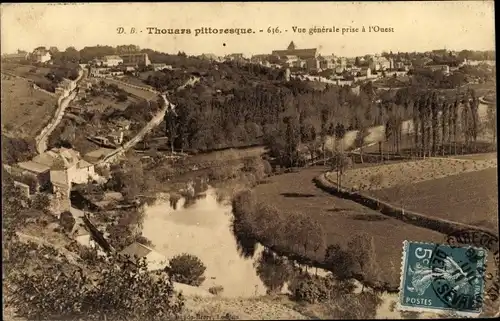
x: 140, y: 59
x: 112, y: 61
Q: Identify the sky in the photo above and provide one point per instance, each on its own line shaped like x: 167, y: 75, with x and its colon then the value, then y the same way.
x: 416, y: 26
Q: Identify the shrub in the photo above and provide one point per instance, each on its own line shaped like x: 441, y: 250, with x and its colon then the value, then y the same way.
x: 310, y: 289
x: 216, y: 290
x: 188, y: 269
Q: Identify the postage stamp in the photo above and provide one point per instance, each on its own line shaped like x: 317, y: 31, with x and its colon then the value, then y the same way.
x: 442, y: 278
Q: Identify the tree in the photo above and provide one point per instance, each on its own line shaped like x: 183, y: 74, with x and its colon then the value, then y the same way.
x: 340, y: 163
x: 359, y: 141
x: 274, y: 271
x: 187, y: 268
x: 171, y: 122
x: 364, y: 256
x: 340, y: 262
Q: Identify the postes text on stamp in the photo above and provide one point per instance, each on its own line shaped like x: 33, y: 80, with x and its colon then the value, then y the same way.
x: 442, y: 278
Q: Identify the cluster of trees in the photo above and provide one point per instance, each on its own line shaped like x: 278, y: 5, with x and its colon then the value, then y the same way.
x: 105, y: 288
x: 300, y: 235
x: 17, y: 149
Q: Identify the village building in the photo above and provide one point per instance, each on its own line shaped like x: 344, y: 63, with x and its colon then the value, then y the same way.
x: 139, y: 59
x: 159, y: 67
x: 66, y: 167
x: 291, y: 55
x: 17, y: 57
x: 444, y: 68
x: 155, y: 260
x: 41, y: 55
x: 112, y: 61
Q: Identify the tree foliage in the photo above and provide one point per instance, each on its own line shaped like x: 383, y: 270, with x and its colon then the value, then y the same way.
x: 57, y: 289
x: 187, y: 268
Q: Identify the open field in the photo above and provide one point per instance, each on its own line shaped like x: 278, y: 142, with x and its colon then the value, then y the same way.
x: 470, y: 198
x: 137, y: 92
x: 342, y: 219
x: 25, y: 111
x: 409, y: 172
x: 102, y: 103
x: 28, y: 71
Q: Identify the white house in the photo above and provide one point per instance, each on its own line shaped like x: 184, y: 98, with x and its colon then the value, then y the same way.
x: 41, y: 56
x: 112, y: 61
x: 155, y: 260
x: 66, y: 167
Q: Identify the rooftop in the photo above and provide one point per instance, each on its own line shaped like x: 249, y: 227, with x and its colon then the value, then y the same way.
x: 136, y: 249
x: 58, y: 158
x: 112, y: 57
x: 34, y: 167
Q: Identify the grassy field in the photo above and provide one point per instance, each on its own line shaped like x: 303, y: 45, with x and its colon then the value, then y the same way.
x: 138, y: 92
x: 28, y: 71
x: 470, y: 198
x: 25, y: 111
x: 410, y: 172
x: 343, y: 219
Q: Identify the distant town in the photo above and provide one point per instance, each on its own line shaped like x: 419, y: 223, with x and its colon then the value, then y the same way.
x: 300, y: 62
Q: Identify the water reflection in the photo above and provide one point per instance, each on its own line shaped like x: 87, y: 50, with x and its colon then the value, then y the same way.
x: 203, y: 228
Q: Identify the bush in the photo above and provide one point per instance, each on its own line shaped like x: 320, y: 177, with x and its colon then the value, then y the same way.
x: 220, y: 173
x: 310, y: 289
x: 216, y: 290
x: 188, y: 269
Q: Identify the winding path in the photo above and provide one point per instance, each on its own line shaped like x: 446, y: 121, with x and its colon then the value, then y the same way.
x: 63, y: 102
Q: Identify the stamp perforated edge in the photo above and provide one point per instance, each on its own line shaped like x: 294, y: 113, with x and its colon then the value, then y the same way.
x: 402, y: 275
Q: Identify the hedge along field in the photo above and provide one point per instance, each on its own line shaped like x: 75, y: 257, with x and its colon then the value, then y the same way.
x: 469, y: 198
x: 387, y: 176
x: 295, y: 195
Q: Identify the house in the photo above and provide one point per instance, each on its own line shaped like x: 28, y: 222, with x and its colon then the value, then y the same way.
x: 112, y: 61
x: 116, y: 137
x: 326, y: 62
x: 155, y: 260
x: 444, y: 68
x: 235, y: 57
x: 141, y: 59
x: 18, y: 57
x: 66, y: 167
x: 79, y: 232
x: 209, y: 56
x: 158, y: 67
x: 41, y: 55
x: 380, y: 63
x: 36, y: 176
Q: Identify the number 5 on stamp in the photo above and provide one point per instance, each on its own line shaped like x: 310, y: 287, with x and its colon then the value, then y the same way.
x: 439, y: 278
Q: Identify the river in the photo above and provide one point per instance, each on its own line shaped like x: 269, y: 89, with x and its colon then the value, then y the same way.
x: 203, y: 228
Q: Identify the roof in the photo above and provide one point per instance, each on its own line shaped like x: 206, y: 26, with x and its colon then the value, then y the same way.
x: 291, y: 46
x: 15, y: 56
x: 301, y: 53
x: 34, y: 167
x: 58, y: 158
x: 112, y: 57
x: 83, y: 164
x: 136, y: 249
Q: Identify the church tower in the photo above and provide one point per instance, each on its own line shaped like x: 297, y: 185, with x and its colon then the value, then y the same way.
x: 291, y: 46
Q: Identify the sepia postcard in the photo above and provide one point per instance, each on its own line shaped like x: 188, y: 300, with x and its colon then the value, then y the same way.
x: 249, y: 160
